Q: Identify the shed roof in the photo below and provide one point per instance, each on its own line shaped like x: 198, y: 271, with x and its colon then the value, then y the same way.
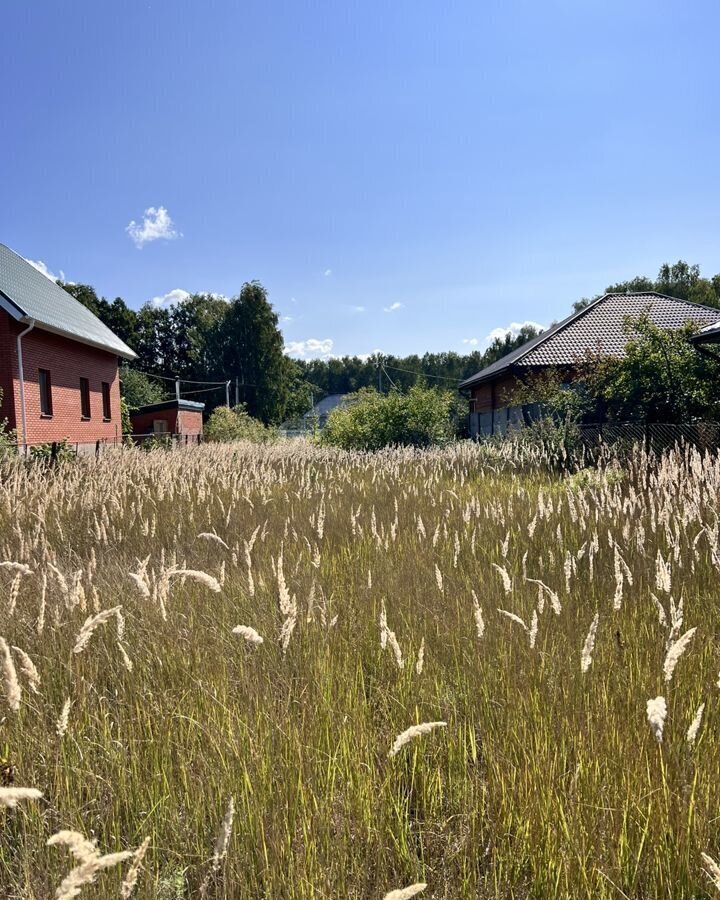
x: 187, y: 405
x: 28, y: 295
x: 599, y: 327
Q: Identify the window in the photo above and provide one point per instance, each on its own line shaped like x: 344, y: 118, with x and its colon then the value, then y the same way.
x: 45, y: 392
x: 84, y: 398
x: 106, y: 401
x: 160, y: 426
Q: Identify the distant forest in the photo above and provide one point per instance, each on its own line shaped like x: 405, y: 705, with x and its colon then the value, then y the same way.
x: 208, y: 338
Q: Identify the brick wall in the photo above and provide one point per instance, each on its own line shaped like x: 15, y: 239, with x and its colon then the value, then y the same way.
x: 142, y: 423
x: 183, y: 421
x: 68, y: 361
x: 190, y: 422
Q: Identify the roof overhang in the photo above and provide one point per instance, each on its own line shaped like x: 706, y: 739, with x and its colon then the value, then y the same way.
x: 481, y: 379
x: 708, y: 335
x: 164, y: 405
x: 19, y: 315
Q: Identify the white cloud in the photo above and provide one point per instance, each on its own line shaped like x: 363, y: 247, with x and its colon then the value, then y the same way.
x: 41, y: 267
x: 327, y: 273
x: 513, y: 329
x: 287, y: 318
x: 156, y: 225
x: 173, y: 297
x: 471, y: 342
x: 366, y: 356
x: 322, y: 349
x: 392, y: 307
x: 357, y: 309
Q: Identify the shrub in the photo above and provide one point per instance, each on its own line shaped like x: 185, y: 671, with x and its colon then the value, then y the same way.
x: 419, y: 418
x: 225, y: 425
x: 44, y: 453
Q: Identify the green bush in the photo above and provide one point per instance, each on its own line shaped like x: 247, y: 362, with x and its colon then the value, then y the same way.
x: 43, y: 453
x: 236, y: 424
x: 370, y: 420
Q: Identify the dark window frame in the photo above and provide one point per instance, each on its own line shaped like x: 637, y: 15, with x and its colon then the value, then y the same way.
x: 106, y: 402
x: 45, y: 386
x: 85, y: 405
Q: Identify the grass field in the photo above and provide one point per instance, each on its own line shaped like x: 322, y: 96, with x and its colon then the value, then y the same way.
x: 381, y: 587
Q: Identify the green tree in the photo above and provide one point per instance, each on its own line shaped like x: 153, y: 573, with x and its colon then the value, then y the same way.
x: 227, y: 425
x: 252, y: 351
x: 419, y: 418
x: 663, y: 377
x: 138, y: 390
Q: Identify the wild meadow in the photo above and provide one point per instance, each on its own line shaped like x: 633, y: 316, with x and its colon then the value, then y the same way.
x: 289, y: 672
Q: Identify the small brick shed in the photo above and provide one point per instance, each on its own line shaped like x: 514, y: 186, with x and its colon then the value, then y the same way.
x: 183, y: 418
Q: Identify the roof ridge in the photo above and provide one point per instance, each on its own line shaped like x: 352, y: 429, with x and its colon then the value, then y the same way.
x: 537, y: 344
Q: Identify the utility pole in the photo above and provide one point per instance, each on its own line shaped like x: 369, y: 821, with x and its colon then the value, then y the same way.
x: 380, y: 374
x: 237, y: 391
x: 177, y: 388
x: 227, y: 393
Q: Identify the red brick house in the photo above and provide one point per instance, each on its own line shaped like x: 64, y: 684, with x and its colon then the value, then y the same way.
x: 182, y: 418
x: 599, y: 327
x: 58, y: 362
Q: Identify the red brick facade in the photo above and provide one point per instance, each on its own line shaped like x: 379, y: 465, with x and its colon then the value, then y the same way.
x: 67, y: 361
x: 178, y: 419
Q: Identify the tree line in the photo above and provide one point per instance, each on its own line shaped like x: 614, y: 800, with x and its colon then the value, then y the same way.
x: 209, y: 338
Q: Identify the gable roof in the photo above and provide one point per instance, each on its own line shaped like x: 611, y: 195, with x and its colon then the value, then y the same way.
x: 599, y: 327
x: 27, y: 295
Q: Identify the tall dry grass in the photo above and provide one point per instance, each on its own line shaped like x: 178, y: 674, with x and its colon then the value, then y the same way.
x: 181, y: 628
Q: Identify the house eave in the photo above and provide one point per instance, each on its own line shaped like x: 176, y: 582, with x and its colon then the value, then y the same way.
x: 20, y: 315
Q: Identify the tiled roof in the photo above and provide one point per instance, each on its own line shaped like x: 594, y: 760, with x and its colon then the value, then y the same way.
x: 27, y: 294
x: 599, y: 327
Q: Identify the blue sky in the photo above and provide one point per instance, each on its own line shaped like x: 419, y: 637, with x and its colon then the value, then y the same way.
x: 403, y: 176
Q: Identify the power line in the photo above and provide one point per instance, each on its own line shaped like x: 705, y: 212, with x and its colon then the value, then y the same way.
x: 174, y: 378
x: 204, y: 390
x: 387, y: 375
x: 420, y: 374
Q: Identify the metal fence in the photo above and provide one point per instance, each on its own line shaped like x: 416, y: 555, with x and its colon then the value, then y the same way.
x: 653, y: 436
x: 54, y: 449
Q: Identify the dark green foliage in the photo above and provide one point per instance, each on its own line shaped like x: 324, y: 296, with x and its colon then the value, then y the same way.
x: 252, y: 348
x: 204, y: 338
x: 445, y: 370
x: 419, y: 418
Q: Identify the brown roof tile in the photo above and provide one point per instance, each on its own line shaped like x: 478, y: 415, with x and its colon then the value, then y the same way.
x: 598, y: 327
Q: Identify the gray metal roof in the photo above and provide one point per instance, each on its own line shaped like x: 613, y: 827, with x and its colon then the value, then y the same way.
x: 328, y: 404
x: 599, y: 327
x: 27, y: 294
x: 182, y: 404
